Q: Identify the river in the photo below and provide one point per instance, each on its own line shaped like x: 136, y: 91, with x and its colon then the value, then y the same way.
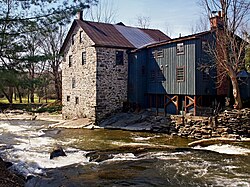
x: 118, y: 158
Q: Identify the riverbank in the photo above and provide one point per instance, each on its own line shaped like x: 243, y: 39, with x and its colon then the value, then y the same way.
x: 8, y: 178
x: 228, y: 124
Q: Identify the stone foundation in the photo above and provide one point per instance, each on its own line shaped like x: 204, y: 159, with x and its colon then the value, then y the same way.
x: 229, y: 124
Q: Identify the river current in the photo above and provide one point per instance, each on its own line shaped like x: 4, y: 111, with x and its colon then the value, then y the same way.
x: 102, y: 157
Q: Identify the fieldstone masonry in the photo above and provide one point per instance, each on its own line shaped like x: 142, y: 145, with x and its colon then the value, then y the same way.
x: 111, y: 81
x: 100, y: 85
x: 84, y: 75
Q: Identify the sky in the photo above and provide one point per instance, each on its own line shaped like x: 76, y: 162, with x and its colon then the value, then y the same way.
x: 170, y: 16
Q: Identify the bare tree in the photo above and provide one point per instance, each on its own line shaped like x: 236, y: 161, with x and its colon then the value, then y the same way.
x: 200, y: 25
x: 168, y: 29
x: 230, y: 48
x: 50, y: 44
x: 143, y: 22
x: 104, y: 11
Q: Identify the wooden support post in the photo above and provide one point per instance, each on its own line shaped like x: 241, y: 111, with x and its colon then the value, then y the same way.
x: 185, y: 105
x: 195, y: 105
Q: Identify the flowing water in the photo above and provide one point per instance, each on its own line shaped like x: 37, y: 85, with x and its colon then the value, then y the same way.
x: 119, y: 158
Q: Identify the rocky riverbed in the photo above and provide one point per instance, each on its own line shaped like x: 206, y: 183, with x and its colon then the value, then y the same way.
x: 228, y: 124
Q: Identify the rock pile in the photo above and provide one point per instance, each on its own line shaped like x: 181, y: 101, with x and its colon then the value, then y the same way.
x: 230, y: 124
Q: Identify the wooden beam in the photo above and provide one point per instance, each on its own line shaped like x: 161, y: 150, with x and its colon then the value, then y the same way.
x: 173, y: 100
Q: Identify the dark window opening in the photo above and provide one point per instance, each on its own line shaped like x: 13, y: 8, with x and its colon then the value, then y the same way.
x: 70, y: 61
x: 73, y: 82
x: 180, y: 49
x: 83, y: 58
x: 119, y: 58
x: 180, y: 74
x: 77, y: 100
x: 73, y: 39
x: 81, y: 36
x: 68, y: 98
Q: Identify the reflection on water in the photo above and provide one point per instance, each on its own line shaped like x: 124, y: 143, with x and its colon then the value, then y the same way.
x: 119, y: 158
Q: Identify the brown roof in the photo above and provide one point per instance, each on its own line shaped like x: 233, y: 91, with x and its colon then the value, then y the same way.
x: 180, y: 39
x: 120, y: 36
x: 104, y: 34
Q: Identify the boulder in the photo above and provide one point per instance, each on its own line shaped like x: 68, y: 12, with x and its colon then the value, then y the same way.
x: 58, y: 151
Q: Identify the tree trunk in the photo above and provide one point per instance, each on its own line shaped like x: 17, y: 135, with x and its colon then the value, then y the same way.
x: 32, y: 91
x: 19, y: 95
x: 236, y: 93
x: 7, y: 96
x: 58, y: 88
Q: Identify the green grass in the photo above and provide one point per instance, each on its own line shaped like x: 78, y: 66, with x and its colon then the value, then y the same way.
x: 25, y: 100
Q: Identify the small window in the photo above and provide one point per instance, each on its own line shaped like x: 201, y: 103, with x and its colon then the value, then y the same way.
x: 83, y: 57
x: 77, y: 100
x: 157, y: 53
x: 119, y: 58
x: 68, y: 98
x: 180, y: 49
x: 81, y: 36
x: 180, y: 74
x: 160, y: 53
x: 70, y: 60
x: 73, y: 82
x: 73, y: 39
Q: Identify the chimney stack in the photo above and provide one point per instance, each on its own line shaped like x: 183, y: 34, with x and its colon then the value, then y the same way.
x: 216, y: 21
x: 80, y: 15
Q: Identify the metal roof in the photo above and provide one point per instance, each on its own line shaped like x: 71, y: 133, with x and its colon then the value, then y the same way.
x: 104, y: 34
x: 135, y: 35
x: 120, y: 36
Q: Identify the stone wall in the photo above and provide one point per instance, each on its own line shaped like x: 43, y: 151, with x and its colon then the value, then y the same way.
x: 111, y: 81
x: 100, y: 84
x: 229, y: 124
x: 84, y: 75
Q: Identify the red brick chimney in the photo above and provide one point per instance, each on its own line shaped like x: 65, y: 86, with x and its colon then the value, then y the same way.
x: 80, y: 15
x: 216, y: 21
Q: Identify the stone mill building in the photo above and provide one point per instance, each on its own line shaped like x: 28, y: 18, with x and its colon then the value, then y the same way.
x: 95, y: 66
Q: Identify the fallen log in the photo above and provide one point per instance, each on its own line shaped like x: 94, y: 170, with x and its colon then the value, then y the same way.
x: 211, y: 141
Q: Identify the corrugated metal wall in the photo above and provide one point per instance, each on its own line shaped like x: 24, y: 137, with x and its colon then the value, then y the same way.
x: 153, y: 71
x: 168, y: 64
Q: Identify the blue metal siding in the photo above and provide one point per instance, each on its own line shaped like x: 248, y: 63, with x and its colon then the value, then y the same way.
x: 137, y: 83
x: 169, y: 62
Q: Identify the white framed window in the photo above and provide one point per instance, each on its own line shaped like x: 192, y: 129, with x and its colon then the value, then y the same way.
x: 180, y: 49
